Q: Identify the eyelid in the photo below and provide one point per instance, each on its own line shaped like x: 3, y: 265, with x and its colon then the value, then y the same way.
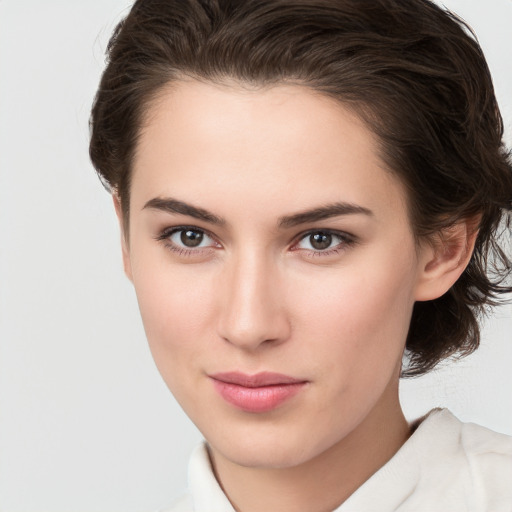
x: 166, y: 233
x: 347, y: 240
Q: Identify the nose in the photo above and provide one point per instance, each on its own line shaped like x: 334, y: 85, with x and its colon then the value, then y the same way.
x: 253, y: 312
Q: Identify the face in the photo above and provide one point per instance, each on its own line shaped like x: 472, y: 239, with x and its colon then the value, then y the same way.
x: 274, y: 265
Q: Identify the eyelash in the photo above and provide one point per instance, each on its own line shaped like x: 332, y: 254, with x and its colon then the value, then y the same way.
x: 346, y: 240
x: 166, y: 234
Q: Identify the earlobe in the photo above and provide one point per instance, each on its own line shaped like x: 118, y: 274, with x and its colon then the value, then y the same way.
x: 444, y: 258
x: 124, y: 241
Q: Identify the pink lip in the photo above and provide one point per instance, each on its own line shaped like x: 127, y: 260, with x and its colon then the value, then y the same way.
x: 262, y: 392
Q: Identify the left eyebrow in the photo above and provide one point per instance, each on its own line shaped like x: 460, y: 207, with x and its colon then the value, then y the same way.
x: 322, y: 213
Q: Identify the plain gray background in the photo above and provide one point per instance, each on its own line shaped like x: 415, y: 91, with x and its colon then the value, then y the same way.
x: 86, y: 424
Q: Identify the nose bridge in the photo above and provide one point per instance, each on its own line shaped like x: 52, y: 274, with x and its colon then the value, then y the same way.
x: 252, y: 311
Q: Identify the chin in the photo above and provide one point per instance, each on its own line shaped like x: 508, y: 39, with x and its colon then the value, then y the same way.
x: 275, y: 450
x: 251, y: 457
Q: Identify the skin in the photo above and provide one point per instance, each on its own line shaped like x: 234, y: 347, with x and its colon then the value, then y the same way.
x: 256, y: 295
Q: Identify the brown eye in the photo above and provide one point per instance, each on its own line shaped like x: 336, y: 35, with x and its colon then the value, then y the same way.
x: 325, y: 242
x: 320, y: 241
x: 188, y: 238
x: 191, y: 238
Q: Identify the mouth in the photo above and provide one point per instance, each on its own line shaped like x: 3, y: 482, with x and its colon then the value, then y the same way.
x: 258, y: 393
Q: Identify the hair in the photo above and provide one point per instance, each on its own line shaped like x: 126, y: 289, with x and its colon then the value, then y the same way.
x: 413, y: 72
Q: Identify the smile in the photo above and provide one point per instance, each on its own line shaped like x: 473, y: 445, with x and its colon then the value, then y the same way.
x: 258, y: 393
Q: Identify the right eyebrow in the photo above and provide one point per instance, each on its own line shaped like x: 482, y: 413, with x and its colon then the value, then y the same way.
x: 170, y: 205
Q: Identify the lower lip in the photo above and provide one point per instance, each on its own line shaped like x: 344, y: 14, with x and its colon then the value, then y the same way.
x: 259, y: 399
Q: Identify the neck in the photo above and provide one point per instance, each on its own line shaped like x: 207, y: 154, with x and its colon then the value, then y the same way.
x: 323, y: 483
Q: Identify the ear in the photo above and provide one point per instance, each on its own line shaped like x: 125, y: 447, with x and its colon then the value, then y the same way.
x: 444, y: 257
x: 124, y: 241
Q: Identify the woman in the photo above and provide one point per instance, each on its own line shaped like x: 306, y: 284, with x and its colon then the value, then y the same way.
x: 305, y: 190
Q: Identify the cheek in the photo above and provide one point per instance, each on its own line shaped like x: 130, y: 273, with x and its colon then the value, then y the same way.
x: 358, y: 317
x: 174, y: 303
x: 353, y: 331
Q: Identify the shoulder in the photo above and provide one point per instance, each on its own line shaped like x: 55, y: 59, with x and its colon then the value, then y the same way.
x: 478, y: 444
x: 489, y: 458
x: 445, y: 465
x: 481, y: 457
x: 481, y: 441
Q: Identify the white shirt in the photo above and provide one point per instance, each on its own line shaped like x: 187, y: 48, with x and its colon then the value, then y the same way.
x: 445, y: 466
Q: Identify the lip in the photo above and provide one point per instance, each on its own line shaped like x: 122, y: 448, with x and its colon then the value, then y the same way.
x: 258, y: 393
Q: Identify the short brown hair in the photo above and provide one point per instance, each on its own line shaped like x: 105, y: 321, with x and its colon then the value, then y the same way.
x: 412, y: 71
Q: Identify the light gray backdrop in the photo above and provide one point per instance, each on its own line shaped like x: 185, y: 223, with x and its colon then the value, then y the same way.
x: 85, y: 422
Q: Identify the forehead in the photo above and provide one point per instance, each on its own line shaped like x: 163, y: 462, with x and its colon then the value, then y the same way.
x: 282, y: 147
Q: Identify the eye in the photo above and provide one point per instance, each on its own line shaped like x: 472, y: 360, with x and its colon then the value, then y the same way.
x: 190, y: 238
x: 323, y: 241
x: 186, y: 239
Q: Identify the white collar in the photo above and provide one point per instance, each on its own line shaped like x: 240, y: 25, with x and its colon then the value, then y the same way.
x: 438, y: 468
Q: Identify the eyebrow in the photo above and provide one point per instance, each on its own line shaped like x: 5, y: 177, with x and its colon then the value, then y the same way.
x: 171, y: 205
x: 322, y: 213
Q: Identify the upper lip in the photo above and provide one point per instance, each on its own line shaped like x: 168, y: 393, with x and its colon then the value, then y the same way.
x: 257, y: 380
